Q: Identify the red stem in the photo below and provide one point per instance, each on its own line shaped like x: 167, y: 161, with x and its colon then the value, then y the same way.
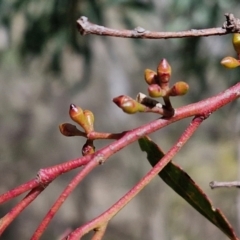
x: 107, y: 215
x: 100, y: 135
x: 67, y: 191
x: 11, y: 215
x: 19, y: 190
x: 99, y: 232
x: 206, y: 106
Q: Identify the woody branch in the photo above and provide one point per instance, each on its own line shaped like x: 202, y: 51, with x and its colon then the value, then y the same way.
x: 231, y: 25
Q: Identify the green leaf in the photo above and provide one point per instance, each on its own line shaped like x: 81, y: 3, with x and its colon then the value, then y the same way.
x: 182, y: 184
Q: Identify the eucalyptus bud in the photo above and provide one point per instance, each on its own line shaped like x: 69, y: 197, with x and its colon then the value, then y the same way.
x: 150, y: 76
x: 164, y: 72
x: 178, y: 89
x: 230, y: 62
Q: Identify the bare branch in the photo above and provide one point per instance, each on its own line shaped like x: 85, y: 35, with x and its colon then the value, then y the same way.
x: 215, y: 184
x: 85, y: 27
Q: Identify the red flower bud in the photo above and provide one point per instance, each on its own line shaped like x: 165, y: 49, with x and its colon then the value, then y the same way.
x: 70, y: 130
x: 88, y: 148
x: 121, y: 99
x: 164, y: 71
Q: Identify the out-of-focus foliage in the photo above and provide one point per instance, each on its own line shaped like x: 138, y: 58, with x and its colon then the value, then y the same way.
x: 49, y: 28
x: 45, y: 65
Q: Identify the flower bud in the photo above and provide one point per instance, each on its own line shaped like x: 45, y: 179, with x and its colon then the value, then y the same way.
x: 70, y: 130
x: 178, y: 89
x: 77, y: 115
x: 230, y: 62
x: 150, y: 76
x: 121, y: 99
x: 236, y: 42
x: 128, y: 105
x: 89, y: 119
x: 164, y: 71
x: 155, y: 91
x: 88, y: 148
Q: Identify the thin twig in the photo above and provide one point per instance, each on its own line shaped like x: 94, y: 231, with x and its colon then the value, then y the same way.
x: 11, y: 215
x: 101, y: 135
x: 215, y: 184
x: 86, y: 27
x: 19, y: 190
x: 67, y: 191
x: 70, y: 130
x: 99, y: 232
x: 112, y: 211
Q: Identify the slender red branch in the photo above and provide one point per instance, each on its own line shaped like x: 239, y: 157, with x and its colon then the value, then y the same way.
x: 99, y: 232
x: 112, y: 211
x: 100, y: 135
x: 11, y: 215
x: 44, y: 177
x: 19, y: 190
x: 86, y: 27
x: 206, y: 106
x: 67, y: 191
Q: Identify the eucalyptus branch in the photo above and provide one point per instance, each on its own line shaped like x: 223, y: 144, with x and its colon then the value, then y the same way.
x: 31, y: 184
x: 112, y: 211
x: 206, y: 106
x: 231, y: 25
x: 11, y: 215
x: 64, y: 195
x: 215, y: 184
x: 99, y: 232
x: 158, y: 86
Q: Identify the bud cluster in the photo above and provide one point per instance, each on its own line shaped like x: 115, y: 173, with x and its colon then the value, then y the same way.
x: 85, y: 119
x: 158, y: 87
x: 159, y: 82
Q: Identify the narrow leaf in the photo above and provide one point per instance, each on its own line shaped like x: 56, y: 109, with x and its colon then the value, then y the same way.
x: 181, y: 183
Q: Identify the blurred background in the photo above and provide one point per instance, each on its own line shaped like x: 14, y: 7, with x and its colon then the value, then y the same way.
x: 45, y: 65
